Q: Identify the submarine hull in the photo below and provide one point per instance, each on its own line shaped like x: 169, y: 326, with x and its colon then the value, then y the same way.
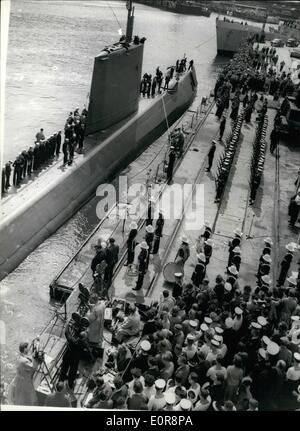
x: 48, y: 208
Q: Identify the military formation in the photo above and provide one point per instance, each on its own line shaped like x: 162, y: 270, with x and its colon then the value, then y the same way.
x: 259, y: 151
x: 227, y: 157
x: 45, y: 151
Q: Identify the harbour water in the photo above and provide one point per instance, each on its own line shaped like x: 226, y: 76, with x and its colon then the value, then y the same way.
x: 50, y: 60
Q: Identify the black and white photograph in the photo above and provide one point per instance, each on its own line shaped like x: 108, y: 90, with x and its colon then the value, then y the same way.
x: 150, y: 209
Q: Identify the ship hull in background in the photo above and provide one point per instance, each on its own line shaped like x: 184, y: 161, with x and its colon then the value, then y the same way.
x: 231, y: 34
x: 49, y: 208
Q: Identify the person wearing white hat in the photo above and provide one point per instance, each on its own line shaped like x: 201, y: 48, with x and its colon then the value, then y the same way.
x: 232, y: 276
x: 238, y: 318
x: 142, y: 265
x: 233, y: 270
x: 208, y: 248
x: 235, y: 242
x: 170, y: 399
x: 204, y: 327
x: 229, y: 322
x: 158, y: 232
x: 214, y: 352
x: 236, y: 257
x: 131, y: 244
x: 207, y: 231
x: 256, y: 325
x: 273, y: 348
x: 207, y: 320
x: 285, y: 264
x: 265, y: 283
x: 157, y: 401
x: 210, y: 155
x: 149, y: 229
x: 264, y: 267
x: 178, y: 285
x: 293, y: 378
x: 199, y: 271
x: 183, y: 252
x: 292, y: 281
x: 268, y: 241
x: 185, y: 405
x: 262, y: 320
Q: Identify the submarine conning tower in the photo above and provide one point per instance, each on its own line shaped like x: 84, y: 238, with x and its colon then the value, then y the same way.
x: 117, y: 73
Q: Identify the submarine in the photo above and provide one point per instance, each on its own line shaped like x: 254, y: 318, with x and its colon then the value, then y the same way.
x: 119, y: 126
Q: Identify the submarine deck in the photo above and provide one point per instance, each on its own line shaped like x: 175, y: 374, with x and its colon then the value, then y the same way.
x: 55, y: 170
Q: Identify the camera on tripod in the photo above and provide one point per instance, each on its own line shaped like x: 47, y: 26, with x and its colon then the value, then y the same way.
x: 38, y: 353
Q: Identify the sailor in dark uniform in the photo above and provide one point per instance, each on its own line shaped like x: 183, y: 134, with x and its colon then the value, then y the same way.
x: 30, y: 157
x: 268, y: 247
x: 25, y: 160
x: 179, y: 142
x: 210, y: 155
x: 232, y: 275
x: 149, y: 240
x: 65, y: 149
x: 236, y: 258
x: 264, y: 267
x: 207, y: 231
x: 178, y: 285
x: 265, y: 283
x: 16, y: 174
x: 131, y: 243
x: 150, y: 211
x: 200, y: 270
x: 221, y: 181
x: 47, y: 150
x: 285, y: 264
x: 208, y: 248
x: 36, y: 156
x: 222, y: 127
x: 191, y: 64
x: 42, y: 152
x: 142, y: 265
x: 81, y: 137
x: 183, y: 252
x: 58, y: 143
x: 235, y: 242
x: 172, y: 157
x: 3, y: 182
x: 7, y: 175
x: 158, y: 232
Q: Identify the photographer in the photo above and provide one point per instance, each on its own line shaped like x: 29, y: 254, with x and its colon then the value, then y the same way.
x: 77, y: 343
x: 96, y: 320
x: 21, y: 391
